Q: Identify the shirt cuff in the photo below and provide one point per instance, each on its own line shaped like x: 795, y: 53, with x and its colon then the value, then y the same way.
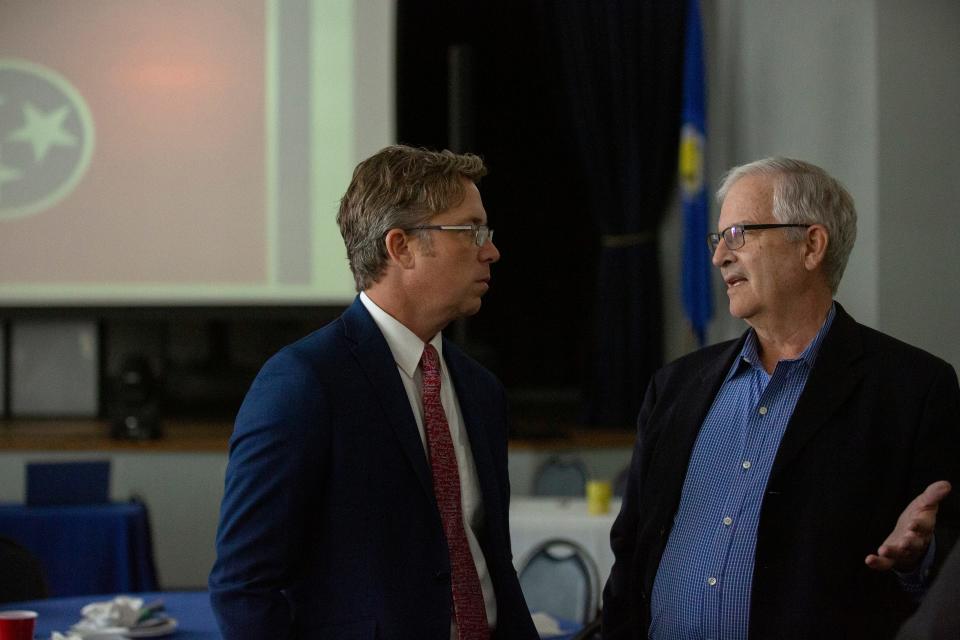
x: 915, y: 582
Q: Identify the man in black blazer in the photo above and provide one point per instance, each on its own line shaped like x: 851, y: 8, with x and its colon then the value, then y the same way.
x: 792, y: 483
x: 367, y: 492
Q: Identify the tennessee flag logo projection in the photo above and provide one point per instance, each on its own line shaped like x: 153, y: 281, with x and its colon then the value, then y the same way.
x: 46, y: 138
x: 132, y: 148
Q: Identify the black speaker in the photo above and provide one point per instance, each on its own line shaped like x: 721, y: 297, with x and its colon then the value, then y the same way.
x: 135, y: 406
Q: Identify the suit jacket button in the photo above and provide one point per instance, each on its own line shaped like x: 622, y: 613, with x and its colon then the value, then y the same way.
x: 443, y: 575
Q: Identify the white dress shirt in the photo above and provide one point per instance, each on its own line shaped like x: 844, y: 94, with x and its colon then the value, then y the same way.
x: 407, y: 349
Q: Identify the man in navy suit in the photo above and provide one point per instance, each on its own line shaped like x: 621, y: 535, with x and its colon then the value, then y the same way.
x: 367, y: 492
x: 792, y: 483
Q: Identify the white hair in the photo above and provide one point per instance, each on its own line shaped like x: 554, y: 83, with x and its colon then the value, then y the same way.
x: 805, y: 193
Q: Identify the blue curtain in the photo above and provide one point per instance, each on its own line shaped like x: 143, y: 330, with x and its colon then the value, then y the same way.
x: 621, y: 64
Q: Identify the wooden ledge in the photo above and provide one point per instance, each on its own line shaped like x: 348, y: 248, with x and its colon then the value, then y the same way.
x: 94, y: 435
x: 205, y: 436
x: 576, y: 438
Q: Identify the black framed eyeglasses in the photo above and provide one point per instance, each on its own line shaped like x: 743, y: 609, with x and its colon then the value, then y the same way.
x: 735, y: 235
x: 481, y: 232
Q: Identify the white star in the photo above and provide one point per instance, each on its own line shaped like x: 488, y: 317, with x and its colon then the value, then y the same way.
x: 7, y: 174
x: 44, y: 130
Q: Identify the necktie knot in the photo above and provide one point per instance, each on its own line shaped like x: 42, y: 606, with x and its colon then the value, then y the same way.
x: 430, y: 360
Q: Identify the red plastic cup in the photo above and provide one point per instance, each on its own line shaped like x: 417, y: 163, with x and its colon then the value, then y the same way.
x: 17, y: 625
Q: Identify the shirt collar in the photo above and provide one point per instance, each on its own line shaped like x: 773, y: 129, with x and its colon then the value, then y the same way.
x: 406, y: 347
x: 749, y: 354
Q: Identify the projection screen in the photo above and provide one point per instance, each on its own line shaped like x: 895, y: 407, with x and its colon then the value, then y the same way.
x: 160, y: 152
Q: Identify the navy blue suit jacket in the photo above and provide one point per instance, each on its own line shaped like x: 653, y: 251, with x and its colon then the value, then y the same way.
x: 329, y: 527
x: 876, y: 423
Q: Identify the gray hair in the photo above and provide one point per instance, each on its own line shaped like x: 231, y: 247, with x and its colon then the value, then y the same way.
x: 805, y: 193
x: 398, y: 187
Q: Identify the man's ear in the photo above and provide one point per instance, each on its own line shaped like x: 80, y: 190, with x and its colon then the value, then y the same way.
x: 399, y: 249
x: 815, y: 249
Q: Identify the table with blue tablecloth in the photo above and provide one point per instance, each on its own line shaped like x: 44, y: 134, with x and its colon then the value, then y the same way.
x: 86, y: 549
x: 191, y: 610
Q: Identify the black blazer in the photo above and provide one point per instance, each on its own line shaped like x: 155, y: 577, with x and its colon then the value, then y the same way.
x: 329, y: 527
x: 876, y: 423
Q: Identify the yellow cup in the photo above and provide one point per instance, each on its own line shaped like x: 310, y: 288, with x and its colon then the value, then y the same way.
x: 598, y: 497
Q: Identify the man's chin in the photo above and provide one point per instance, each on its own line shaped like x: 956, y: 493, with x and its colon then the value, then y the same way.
x: 739, y: 306
x: 739, y: 311
x: 471, y: 308
x: 464, y: 310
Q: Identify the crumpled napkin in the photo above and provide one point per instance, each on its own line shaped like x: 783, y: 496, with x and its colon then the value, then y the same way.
x: 546, y: 625
x: 104, y: 620
x: 122, y: 611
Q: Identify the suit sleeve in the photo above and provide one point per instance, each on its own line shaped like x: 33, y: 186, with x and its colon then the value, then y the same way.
x: 276, y: 459
x: 620, y: 605
x: 938, y: 454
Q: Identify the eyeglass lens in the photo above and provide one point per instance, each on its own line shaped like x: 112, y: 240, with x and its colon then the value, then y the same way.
x: 733, y: 237
x: 484, y: 233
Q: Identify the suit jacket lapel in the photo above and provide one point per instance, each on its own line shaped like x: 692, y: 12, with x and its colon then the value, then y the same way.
x: 687, y: 412
x: 838, y: 370
x: 374, y: 356
x: 671, y: 450
x: 704, y: 388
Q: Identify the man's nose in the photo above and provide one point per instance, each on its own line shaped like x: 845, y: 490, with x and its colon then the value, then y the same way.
x: 489, y: 252
x: 721, y: 255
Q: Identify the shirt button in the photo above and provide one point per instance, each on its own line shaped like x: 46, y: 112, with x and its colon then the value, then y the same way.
x: 746, y: 464
x: 711, y: 581
x: 763, y: 411
x: 728, y: 521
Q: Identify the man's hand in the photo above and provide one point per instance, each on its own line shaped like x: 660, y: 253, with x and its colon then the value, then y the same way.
x: 906, y: 545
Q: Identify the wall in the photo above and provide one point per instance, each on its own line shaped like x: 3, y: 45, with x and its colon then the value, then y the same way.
x: 868, y: 90
x: 919, y: 173
x: 794, y: 79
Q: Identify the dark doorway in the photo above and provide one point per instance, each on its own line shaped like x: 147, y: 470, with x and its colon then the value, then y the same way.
x: 535, y: 328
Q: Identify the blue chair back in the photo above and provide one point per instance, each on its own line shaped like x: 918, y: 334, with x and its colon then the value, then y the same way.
x: 561, y: 477
x: 68, y: 483
x: 560, y: 578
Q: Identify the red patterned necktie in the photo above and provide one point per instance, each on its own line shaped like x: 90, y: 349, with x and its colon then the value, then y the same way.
x: 469, y: 609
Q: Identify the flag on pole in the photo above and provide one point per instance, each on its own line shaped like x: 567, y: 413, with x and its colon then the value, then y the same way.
x: 696, y: 271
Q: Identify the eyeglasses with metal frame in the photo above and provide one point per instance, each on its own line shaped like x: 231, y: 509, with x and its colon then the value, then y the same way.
x: 481, y: 232
x: 735, y: 235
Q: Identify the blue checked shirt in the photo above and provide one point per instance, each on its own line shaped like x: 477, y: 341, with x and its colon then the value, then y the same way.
x: 702, y: 588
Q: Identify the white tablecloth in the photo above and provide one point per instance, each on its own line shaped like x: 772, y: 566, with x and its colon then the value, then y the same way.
x: 535, y: 519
